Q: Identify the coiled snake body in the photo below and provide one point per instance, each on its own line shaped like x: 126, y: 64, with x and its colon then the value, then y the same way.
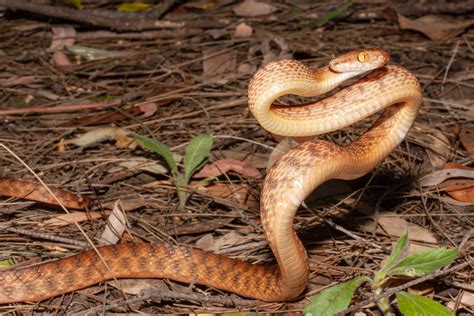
x: 287, y: 184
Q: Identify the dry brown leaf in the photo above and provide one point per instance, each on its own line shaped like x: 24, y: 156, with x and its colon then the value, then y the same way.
x: 199, y: 227
x: 243, y: 31
x: 224, y: 165
x: 217, y: 66
x: 100, y: 134
x: 251, y: 8
x: 67, y: 219
x: 467, y: 299
x: 397, y: 226
x: 60, y: 60
x: 232, y: 194
x: 461, y: 189
x: 148, y: 108
x: 136, y: 286
x: 466, y: 136
x: 62, y: 36
x: 258, y: 160
x: 436, y: 27
x: 210, y: 243
x: 436, y: 144
x: 144, y: 164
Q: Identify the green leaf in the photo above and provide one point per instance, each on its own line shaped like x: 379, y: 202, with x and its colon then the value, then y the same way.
x: 424, y: 262
x: 197, y: 150
x: 334, y: 299
x: 133, y: 7
x: 414, y: 305
x: 331, y: 15
x: 6, y: 263
x: 159, y: 148
x: 397, y: 253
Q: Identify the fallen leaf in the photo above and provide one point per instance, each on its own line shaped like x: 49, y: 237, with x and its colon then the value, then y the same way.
x: 209, y: 243
x: 436, y: 27
x: 62, y: 36
x: 220, y: 64
x: 116, y: 226
x: 396, y: 226
x: 253, y: 8
x: 199, y: 227
x: 258, y: 160
x: 67, y: 219
x: 467, y: 299
x: 136, y: 286
x: 436, y: 144
x: 144, y: 164
x: 61, y: 220
x: 243, y: 31
x: 60, y: 60
x: 461, y: 189
x: 231, y: 194
x: 466, y: 136
x: 101, y: 134
x: 148, y: 108
x: 223, y: 166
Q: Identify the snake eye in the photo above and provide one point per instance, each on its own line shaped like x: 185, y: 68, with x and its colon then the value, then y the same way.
x: 363, y: 57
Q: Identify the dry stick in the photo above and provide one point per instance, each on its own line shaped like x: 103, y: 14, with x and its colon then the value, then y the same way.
x: 75, y: 107
x: 451, y: 60
x: 45, y: 236
x: 407, y: 285
x: 59, y: 108
x: 96, y: 17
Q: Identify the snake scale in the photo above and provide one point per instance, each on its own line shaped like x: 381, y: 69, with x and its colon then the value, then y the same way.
x: 287, y: 184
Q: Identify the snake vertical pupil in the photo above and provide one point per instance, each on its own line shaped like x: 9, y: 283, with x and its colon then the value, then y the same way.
x: 363, y: 57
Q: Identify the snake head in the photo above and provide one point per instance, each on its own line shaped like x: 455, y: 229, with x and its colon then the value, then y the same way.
x: 359, y: 61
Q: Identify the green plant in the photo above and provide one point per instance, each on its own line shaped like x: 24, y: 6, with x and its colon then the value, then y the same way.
x: 196, y: 153
x: 337, y: 298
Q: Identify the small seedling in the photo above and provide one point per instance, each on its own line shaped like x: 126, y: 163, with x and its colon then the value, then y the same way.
x: 337, y: 298
x: 196, y: 153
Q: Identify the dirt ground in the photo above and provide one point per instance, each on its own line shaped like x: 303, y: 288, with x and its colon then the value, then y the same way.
x: 70, y: 91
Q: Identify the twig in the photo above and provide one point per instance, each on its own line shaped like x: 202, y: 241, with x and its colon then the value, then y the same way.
x: 45, y: 236
x: 102, y: 18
